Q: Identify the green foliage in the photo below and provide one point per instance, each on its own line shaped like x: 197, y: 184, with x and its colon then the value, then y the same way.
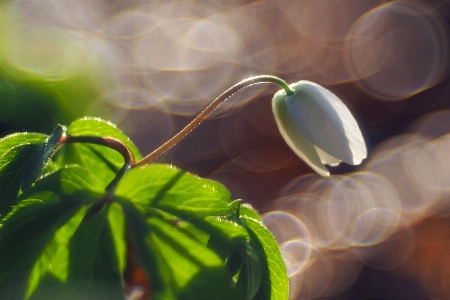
x: 102, y: 162
x: 22, y: 160
x: 63, y: 236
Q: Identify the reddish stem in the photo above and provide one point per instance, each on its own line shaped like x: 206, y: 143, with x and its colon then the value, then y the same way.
x: 109, y: 142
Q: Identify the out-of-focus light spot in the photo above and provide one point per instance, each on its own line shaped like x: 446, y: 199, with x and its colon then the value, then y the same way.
x: 397, y: 50
x: 296, y: 255
x: 179, y: 48
x: 391, y: 253
x: 44, y: 51
x: 428, y: 165
x: 433, y: 125
x: 300, y: 184
x: 260, y: 50
x: 321, y: 30
x: 328, y: 274
x: 388, y: 161
x: 285, y: 227
x: 210, y: 37
x: 73, y: 15
x: 383, y: 193
x: 129, y: 24
x: 346, y: 201
x: 133, y: 99
x: 373, y: 226
x: 313, y: 281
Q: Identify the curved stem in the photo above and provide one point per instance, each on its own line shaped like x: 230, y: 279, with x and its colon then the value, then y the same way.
x: 209, y: 109
x: 112, y: 143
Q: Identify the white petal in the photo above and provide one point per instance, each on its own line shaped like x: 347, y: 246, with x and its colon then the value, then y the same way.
x: 327, y: 159
x: 326, y: 122
x: 298, y: 143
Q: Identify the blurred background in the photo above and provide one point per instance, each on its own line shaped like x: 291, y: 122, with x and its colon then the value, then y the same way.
x: 376, y: 231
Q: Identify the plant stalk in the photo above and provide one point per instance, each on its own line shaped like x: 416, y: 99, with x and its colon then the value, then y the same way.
x: 109, y: 142
x: 208, y: 110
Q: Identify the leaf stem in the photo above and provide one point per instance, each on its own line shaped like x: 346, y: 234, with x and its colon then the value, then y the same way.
x: 109, y: 142
x: 208, y: 110
x: 113, y: 184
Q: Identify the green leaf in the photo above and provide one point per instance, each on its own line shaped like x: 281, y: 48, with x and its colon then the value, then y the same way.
x: 49, y: 168
x: 68, y: 180
x: 101, y: 161
x: 54, y: 259
x: 39, y: 158
x: 94, y: 271
x: 116, y: 221
x: 12, y: 165
x: 19, y: 139
x: 90, y: 126
x: 227, y: 229
x: 151, y: 262
x: 274, y: 277
x: 244, y: 257
x: 36, y: 232
x: 14, y: 152
x: 246, y: 210
x: 175, y: 255
x: 184, y: 254
x: 25, y: 235
x: 205, y: 206
x: 174, y: 191
x: 251, y: 271
x: 21, y: 165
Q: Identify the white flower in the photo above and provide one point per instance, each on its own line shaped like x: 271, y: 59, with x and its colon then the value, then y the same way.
x: 318, y: 126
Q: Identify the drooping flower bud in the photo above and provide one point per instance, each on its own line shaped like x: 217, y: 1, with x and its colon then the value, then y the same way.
x: 318, y: 126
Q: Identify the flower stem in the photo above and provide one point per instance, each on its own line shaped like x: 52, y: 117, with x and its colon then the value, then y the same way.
x: 209, y: 109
